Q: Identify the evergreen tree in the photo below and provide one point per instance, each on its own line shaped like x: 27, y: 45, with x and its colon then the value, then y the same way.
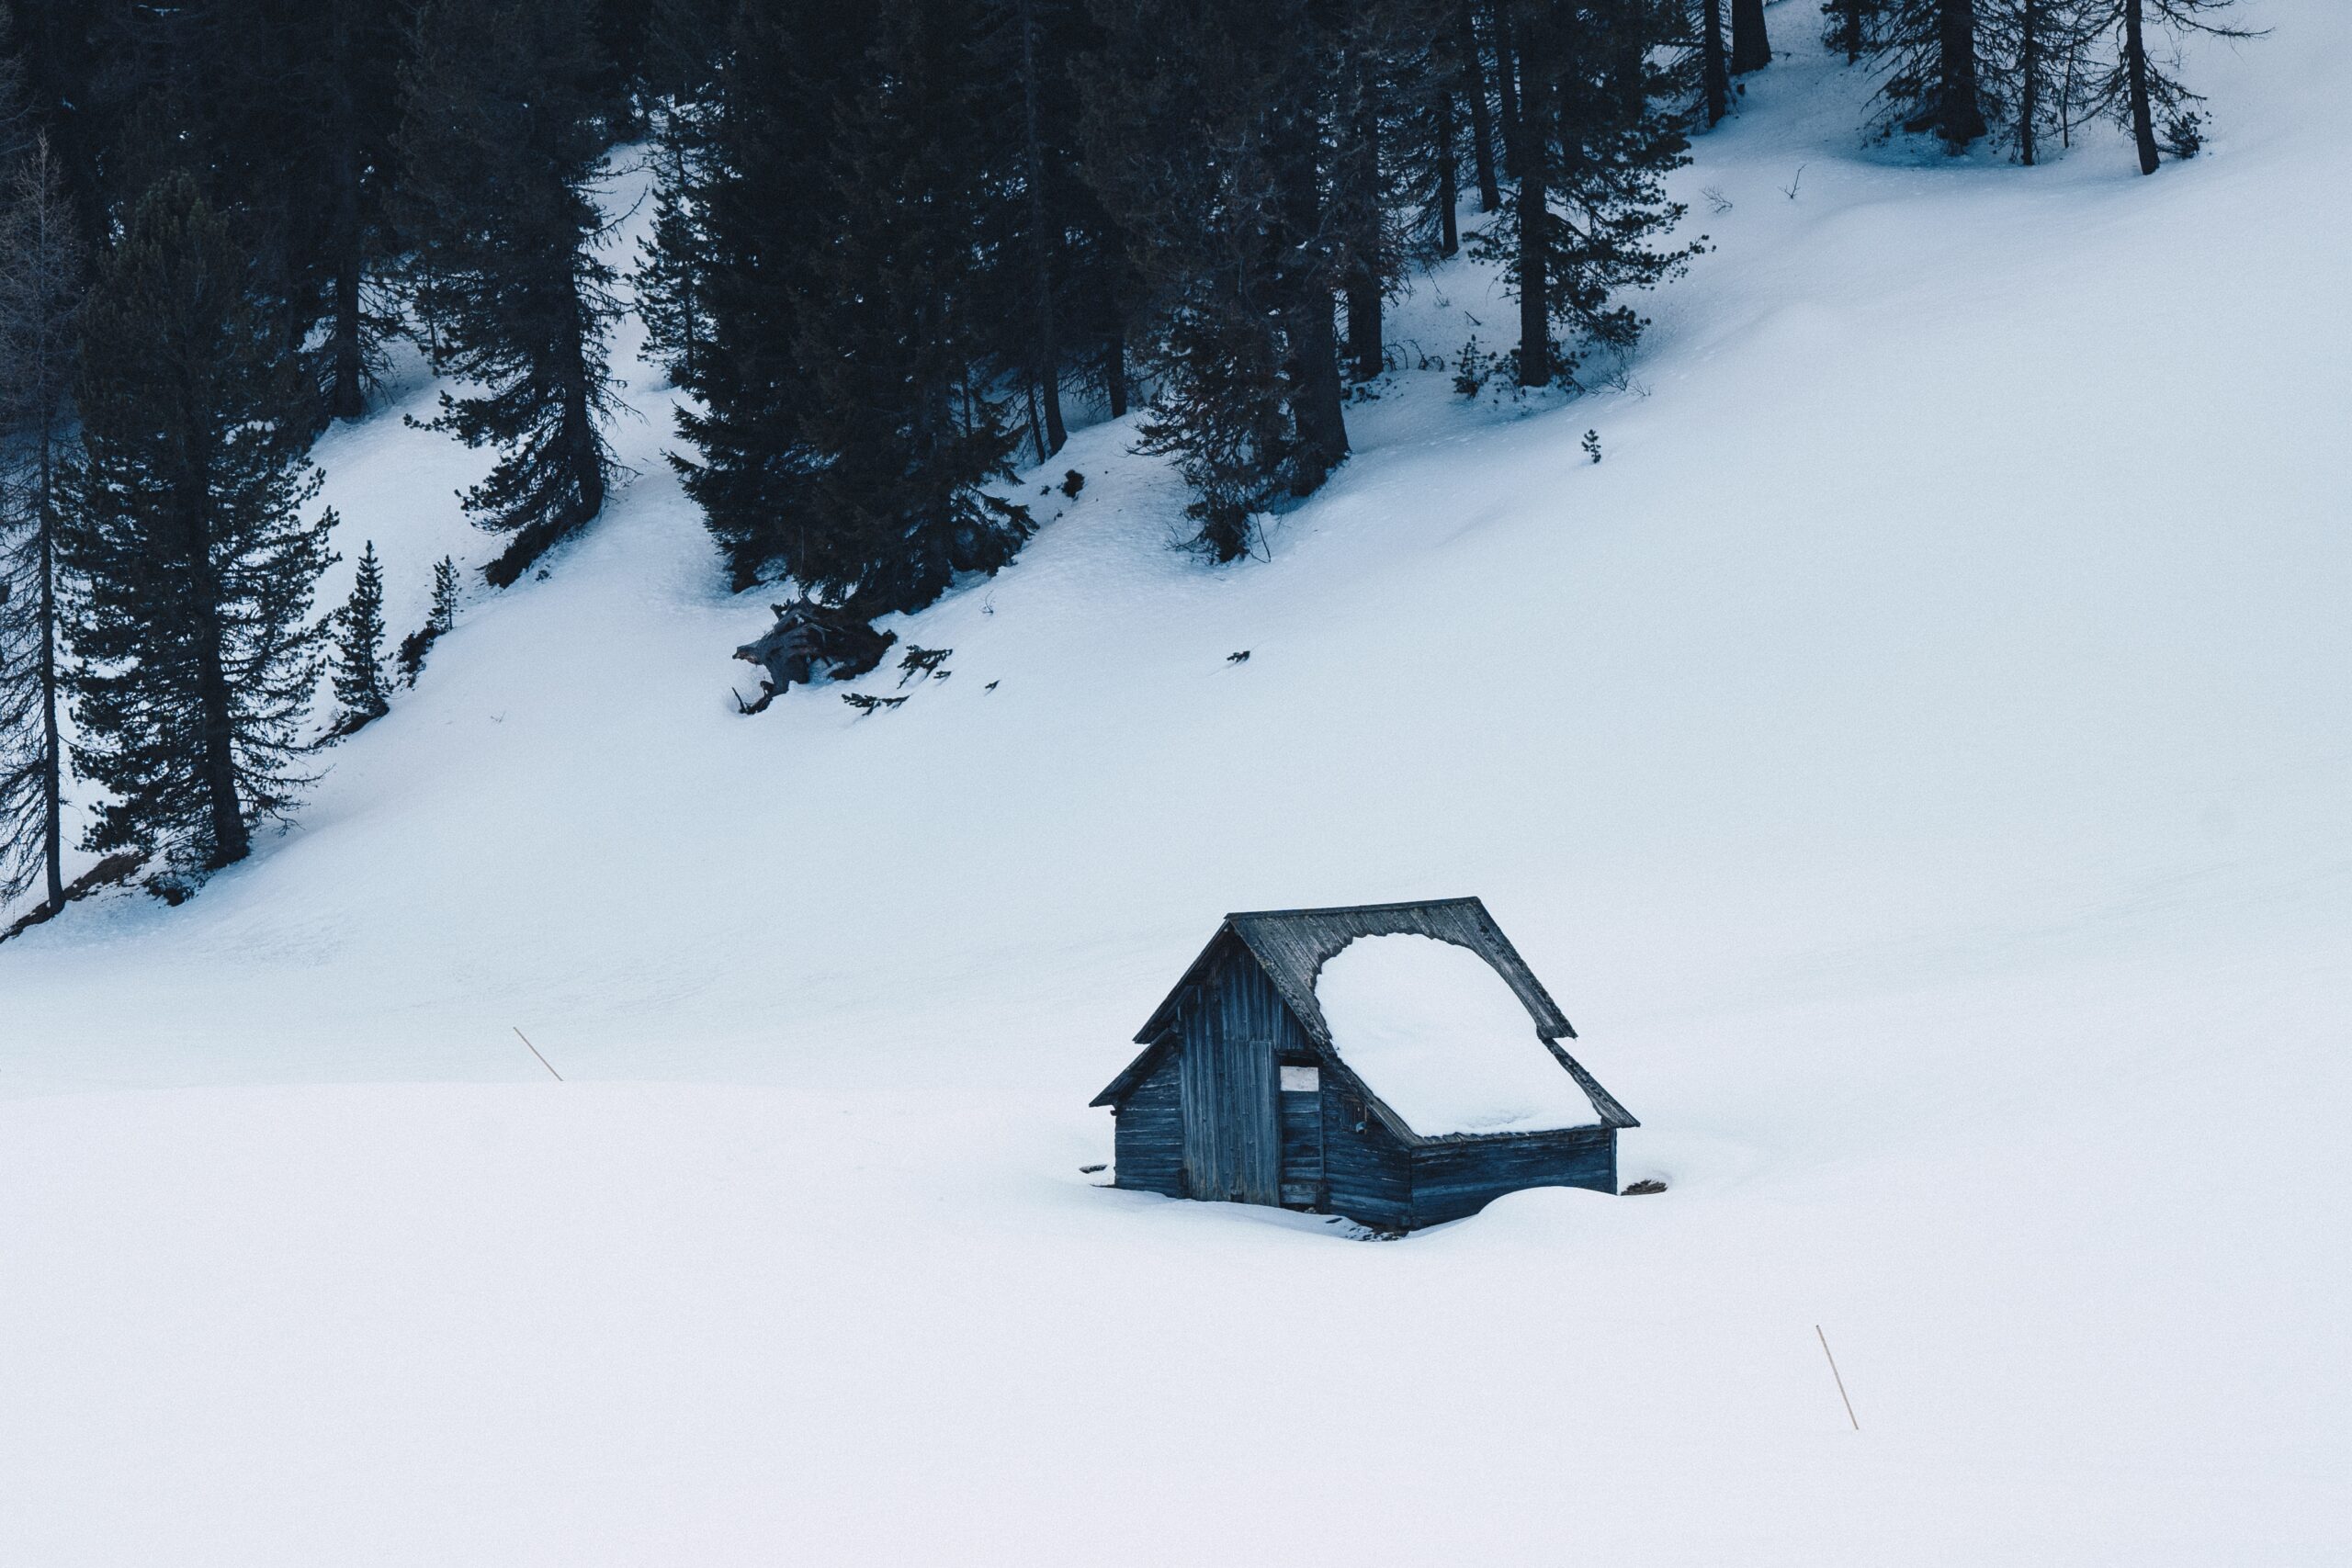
x: 2141, y: 89
x: 1851, y: 25
x: 438, y: 621
x: 1469, y: 58
x: 443, y: 615
x: 2033, y: 50
x: 768, y: 202
x: 359, y: 648
x: 1597, y: 144
x: 1206, y: 135
x: 673, y: 260
x: 900, y: 438
x: 185, y: 529
x: 501, y: 141
x: 40, y: 282
x: 1934, y: 76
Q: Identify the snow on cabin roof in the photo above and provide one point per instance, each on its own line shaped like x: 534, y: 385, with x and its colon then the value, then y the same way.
x: 1429, y: 1026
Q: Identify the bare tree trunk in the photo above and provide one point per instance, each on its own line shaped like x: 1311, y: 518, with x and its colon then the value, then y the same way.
x: 1449, y: 177
x: 1304, y: 285
x: 2029, y: 78
x: 1714, y: 76
x: 216, y: 734
x: 1360, y: 169
x: 1534, y: 302
x: 52, y: 758
x: 1750, y: 50
x: 1507, y: 67
x: 1045, y: 351
x: 2135, y: 63
x: 346, y: 396
x: 1959, y: 118
x: 1481, y: 131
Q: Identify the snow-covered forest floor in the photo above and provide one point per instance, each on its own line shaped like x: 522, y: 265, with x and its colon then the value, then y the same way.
x: 1918, y: 757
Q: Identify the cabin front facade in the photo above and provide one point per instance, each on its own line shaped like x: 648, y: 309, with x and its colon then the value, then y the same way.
x: 1240, y: 1094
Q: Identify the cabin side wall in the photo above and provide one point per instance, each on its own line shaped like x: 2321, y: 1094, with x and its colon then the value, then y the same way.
x: 1150, y: 1133
x: 1451, y: 1179
x: 1367, y: 1174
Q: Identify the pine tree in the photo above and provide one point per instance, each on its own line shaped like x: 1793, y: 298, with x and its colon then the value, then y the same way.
x: 2140, y: 91
x: 1207, y: 137
x: 769, y: 203
x: 1935, y: 77
x: 674, y: 259
x: 1851, y: 25
x: 501, y: 142
x: 443, y: 615
x: 900, y: 438
x: 40, y: 281
x: 438, y: 622
x: 185, y: 528
x: 1596, y: 145
x: 2032, y: 49
x: 359, y: 648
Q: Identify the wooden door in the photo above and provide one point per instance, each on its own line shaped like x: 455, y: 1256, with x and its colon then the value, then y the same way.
x: 1302, y: 1131
x: 1232, y: 1141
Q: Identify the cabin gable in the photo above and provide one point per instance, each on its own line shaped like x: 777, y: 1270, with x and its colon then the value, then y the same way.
x: 1239, y: 1094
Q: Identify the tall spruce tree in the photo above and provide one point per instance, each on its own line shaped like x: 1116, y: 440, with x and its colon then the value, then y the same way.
x: 1207, y: 137
x: 768, y: 202
x: 1850, y: 26
x: 900, y: 438
x: 1935, y: 69
x: 1598, y: 140
x: 185, y: 528
x: 41, y: 285
x: 2032, y: 52
x: 359, y: 683
x: 2141, y: 90
x: 501, y: 139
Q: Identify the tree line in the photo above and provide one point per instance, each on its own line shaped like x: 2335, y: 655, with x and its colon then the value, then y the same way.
x: 897, y: 246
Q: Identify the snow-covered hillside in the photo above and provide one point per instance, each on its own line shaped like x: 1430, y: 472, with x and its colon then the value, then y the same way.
x: 1919, y: 758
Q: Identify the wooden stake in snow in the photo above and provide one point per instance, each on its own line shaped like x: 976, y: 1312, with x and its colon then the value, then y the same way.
x: 1833, y: 1372
x: 535, y: 1051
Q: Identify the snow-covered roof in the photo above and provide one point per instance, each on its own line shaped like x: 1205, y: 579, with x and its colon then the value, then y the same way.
x: 1432, y: 1029
x: 1293, y: 946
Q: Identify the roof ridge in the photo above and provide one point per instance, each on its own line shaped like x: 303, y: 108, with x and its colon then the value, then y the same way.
x: 1353, y: 908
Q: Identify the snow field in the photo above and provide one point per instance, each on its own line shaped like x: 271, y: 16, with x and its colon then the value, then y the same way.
x: 1917, y: 757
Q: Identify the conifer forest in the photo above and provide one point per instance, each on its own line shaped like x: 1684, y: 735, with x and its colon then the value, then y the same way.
x: 1175, y: 783
x: 898, y: 248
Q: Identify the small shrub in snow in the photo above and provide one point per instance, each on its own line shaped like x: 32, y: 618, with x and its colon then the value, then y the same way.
x: 1591, y: 445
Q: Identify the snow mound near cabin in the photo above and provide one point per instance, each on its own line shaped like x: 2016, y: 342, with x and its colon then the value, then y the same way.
x: 1432, y: 1029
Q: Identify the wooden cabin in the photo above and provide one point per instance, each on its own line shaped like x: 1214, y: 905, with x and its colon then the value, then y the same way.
x: 1242, y: 1094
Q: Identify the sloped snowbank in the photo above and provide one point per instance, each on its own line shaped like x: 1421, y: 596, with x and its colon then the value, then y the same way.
x: 1433, y: 1030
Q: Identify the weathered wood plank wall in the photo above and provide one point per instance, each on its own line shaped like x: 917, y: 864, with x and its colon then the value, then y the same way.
x: 1450, y: 1180
x: 1367, y: 1174
x: 1232, y: 1143
x: 1149, y: 1136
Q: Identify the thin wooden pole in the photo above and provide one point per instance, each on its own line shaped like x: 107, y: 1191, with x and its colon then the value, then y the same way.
x: 535, y: 1051
x: 1825, y: 1350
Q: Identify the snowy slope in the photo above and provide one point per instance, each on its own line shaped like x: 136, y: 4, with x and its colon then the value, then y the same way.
x: 1917, y: 757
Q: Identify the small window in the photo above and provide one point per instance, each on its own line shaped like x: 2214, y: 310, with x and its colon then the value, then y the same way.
x: 1302, y: 1080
